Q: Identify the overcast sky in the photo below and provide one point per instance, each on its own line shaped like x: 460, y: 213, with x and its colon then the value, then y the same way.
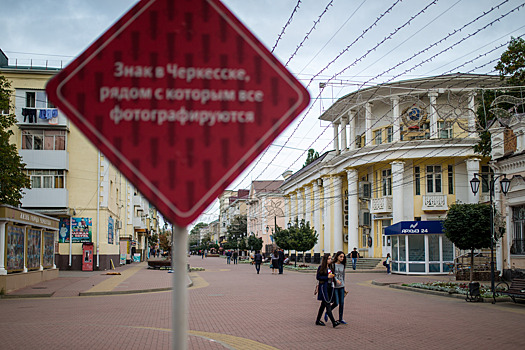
x: 57, y: 31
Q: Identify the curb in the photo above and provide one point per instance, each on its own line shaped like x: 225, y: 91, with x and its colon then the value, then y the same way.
x: 24, y: 296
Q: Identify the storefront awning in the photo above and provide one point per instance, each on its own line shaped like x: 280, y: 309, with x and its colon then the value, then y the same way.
x: 415, y: 228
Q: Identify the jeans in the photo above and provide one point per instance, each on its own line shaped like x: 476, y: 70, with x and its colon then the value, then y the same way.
x: 258, y: 267
x: 354, y: 263
x: 234, y: 260
x: 228, y: 259
x: 339, y: 294
x: 387, y: 268
x: 281, y: 266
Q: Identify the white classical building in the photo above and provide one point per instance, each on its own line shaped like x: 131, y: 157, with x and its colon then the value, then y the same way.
x: 402, y: 153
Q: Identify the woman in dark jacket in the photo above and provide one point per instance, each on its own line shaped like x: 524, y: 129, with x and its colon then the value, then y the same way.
x: 325, y: 293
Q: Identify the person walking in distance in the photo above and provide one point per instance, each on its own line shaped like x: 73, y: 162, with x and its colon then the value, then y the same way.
x: 325, y: 292
x: 257, y: 258
x: 354, y: 255
x: 235, y: 256
x: 339, y: 268
x: 275, y: 261
x: 281, y: 261
x: 228, y: 257
x: 387, y: 263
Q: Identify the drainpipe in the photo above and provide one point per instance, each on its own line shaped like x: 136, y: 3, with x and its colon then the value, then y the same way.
x: 70, y: 236
x: 98, y: 208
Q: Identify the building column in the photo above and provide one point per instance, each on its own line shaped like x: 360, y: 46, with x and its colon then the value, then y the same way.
x: 337, y: 204
x: 433, y: 115
x: 472, y: 115
x: 472, y: 168
x: 336, y: 136
x: 293, y: 207
x: 352, y: 116
x: 3, y: 271
x: 398, y: 169
x: 316, y: 215
x: 300, y: 205
x: 287, y: 215
x: 353, y: 209
x: 327, y: 217
x: 368, y: 124
x: 397, y: 119
x: 344, y: 143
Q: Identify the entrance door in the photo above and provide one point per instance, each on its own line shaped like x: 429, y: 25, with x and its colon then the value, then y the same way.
x: 386, y: 240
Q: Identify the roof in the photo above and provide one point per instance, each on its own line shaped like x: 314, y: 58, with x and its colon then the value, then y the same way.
x: 307, y: 168
x: 415, y: 86
x: 266, y: 186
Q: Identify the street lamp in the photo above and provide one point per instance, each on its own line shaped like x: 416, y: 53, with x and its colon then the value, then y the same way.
x: 490, y: 181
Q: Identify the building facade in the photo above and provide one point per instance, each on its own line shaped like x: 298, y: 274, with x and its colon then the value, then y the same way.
x: 403, y: 152
x: 72, y: 181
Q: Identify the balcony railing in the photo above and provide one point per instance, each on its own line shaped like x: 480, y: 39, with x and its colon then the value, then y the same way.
x: 45, y: 198
x: 435, y: 202
x: 381, y: 205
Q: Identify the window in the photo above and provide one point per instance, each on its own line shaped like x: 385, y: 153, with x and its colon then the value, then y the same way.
x: 518, y: 236
x: 30, y: 99
x: 417, y: 180
x: 46, y: 178
x: 54, y: 140
x: 386, y: 181
x: 434, y: 179
x: 445, y: 130
x: 378, y: 138
x: 389, y: 134
x: 450, y: 179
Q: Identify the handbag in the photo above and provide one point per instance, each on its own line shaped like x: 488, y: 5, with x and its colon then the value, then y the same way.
x: 346, y: 293
x: 384, y: 263
x: 316, y: 289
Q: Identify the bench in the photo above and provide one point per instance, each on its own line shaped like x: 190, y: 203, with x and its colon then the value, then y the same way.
x: 515, y: 290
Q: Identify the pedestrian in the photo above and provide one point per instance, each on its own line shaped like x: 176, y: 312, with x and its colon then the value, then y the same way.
x: 354, y: 255
x: 228, y: 257
x: 387, y: 263
x: 325, y: 293
x: 158, y: 252
x: 235, y: 256
x: 275, y: 262
x: 339, y: 268
x: 281, y: 261
x: 257, y: 258
x: 203, y: 254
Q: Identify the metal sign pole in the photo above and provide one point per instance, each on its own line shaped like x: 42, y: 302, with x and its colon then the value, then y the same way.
x: 179, y: 303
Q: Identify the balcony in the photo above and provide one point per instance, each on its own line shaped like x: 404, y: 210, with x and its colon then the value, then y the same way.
x: 139, y: 223
x: 44, y: 159
x: 45, y: 198
x: 381, y: 205
x: 138, y: 201
x: 435, y: 202
x: 25, y: 122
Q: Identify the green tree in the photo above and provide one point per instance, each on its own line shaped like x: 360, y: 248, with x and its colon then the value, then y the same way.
x: 312, y: 155
x: 13, y: 178
x: 511, y: 68
x: 237, y: 232
x: 468, y: 227
x: 255, y: 243
x: 299, y: 237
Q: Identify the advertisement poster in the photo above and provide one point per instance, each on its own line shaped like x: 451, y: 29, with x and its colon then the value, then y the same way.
x: 34, y: 243
x: 48, y: 249
x: 111, y: 238
x: 123, y: 248
x: 63, y: 233
x: 15, y: 248
x: 81, y: 230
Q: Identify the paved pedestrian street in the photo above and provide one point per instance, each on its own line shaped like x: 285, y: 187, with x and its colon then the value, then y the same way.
x: 231, y: 307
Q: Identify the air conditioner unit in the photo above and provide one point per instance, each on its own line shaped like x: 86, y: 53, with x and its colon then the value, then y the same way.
x: 345, y: 221
x: 119, y: 225
x: 345, y: 208
x: 345, y: 237
x: 365, y: 189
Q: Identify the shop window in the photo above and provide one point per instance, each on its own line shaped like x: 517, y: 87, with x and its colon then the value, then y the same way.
x: 416, y: 251
x: 433, y: 248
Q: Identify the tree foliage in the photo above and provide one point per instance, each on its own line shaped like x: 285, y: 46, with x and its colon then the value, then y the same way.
x: 237, y: 232
x: 312, y: 155
x: 12, y: 172
x: 299, y: 237
x: 468, y: 227
x: 511, y: 68
x: 255, y: 243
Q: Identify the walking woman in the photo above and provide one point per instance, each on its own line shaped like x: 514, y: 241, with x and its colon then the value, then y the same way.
x: 326, y: 291
x: 339, y: 267
x: 275, y: 261
x: 387, y: 263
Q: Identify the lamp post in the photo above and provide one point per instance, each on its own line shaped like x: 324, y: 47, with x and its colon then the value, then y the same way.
x: 490, y: 180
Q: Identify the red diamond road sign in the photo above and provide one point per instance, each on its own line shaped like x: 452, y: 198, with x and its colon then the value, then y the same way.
x: 181, y: 98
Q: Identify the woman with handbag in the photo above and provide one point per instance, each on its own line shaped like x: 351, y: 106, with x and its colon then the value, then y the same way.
x: 275, y: 261
x: 326, y: 291
x: 338, y: 267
